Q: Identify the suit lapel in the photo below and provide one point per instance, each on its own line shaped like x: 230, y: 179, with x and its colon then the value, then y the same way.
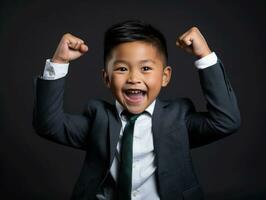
x: 157, y: 128
x: 114, y: 131
x: 168, y: 148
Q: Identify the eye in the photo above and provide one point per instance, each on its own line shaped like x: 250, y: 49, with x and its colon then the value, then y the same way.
x: 146, y: 68
x: 121, y: 69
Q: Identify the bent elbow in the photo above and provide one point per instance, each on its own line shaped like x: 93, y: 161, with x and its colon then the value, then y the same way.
x: 40, y: 131
x: 236, y: 122
x: 234, y: 126
x: 44, y: 129
x: 231, y: 125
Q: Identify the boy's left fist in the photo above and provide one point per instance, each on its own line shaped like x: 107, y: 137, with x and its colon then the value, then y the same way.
x: 193, y: 42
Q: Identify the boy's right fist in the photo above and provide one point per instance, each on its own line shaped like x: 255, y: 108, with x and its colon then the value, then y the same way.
x: 69, y: 48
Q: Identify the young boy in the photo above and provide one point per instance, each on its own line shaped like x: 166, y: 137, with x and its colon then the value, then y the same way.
x: 138, y: 148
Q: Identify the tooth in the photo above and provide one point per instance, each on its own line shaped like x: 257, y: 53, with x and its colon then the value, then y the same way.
x: 131, y: 91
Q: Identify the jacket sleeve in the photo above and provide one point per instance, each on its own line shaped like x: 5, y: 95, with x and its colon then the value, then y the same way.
x: 49, y: 118
x: 222, y: 117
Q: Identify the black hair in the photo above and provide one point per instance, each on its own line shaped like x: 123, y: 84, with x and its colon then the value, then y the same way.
x: 130, y: 31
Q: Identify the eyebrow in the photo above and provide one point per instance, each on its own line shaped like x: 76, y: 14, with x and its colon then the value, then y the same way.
x: 142, y: 61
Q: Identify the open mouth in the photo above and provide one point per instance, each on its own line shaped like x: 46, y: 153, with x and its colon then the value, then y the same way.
x: 135, y: 95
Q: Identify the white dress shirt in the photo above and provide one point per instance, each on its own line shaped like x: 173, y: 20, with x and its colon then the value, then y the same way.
x: 143, y: 169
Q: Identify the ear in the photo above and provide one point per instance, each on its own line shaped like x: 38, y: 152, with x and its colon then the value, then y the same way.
x: 106, y: 78
x: 167, y: 72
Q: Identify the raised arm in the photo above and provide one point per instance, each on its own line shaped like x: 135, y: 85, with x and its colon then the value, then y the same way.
x: 222, y: 117
x: 49, y: 118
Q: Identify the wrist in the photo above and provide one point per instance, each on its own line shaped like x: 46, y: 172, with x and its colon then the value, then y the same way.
x: 205, y: 53
x: 59, y: 60
x: 206, y: 61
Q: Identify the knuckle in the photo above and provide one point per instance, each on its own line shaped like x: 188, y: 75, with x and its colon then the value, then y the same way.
x: 194, y: 29
x: 185, y: 39
x: 66, y: 35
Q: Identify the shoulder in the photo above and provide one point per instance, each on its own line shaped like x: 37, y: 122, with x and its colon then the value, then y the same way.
x: 178, y: 107
x: 95, y: 106
x: 97, y: 103
x: 178, y: 103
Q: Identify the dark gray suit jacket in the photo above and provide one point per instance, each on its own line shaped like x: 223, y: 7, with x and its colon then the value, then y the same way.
x: 176, y: 127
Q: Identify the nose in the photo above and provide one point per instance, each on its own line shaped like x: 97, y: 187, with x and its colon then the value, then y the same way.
x: 133, y: 77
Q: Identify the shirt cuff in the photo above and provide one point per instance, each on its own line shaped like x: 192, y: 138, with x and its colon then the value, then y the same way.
x: 206, y: 61
x: 53, y: 71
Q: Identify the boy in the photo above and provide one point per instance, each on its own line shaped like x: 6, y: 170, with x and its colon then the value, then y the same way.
x: 138, y: 148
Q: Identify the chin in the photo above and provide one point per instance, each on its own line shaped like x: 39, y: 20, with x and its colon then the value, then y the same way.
x: 135, y: 109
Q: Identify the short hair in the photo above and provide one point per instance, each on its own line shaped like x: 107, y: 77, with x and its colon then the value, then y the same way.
x: 130, y: 31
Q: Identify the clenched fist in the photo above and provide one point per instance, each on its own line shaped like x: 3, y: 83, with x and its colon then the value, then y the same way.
x: 69, y: 48
x: 193, y: 42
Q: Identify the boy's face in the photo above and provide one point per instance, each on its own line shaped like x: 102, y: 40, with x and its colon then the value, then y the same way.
x: 135, y: 74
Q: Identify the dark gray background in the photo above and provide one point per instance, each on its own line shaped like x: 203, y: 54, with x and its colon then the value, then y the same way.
x: 34, y: 168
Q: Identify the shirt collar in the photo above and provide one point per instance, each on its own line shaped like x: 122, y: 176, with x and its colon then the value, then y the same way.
x: 149, y: 109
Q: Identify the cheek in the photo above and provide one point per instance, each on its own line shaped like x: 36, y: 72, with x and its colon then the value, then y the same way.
x: 117, y: 82
x: 155, y: 81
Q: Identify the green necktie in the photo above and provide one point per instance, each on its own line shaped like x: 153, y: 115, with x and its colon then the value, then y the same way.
x: 126, y: 157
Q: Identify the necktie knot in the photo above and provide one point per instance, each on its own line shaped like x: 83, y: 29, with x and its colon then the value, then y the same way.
x: 130, y: 116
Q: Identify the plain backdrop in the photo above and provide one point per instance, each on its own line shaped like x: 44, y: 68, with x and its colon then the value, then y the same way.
x: 34, y: 168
